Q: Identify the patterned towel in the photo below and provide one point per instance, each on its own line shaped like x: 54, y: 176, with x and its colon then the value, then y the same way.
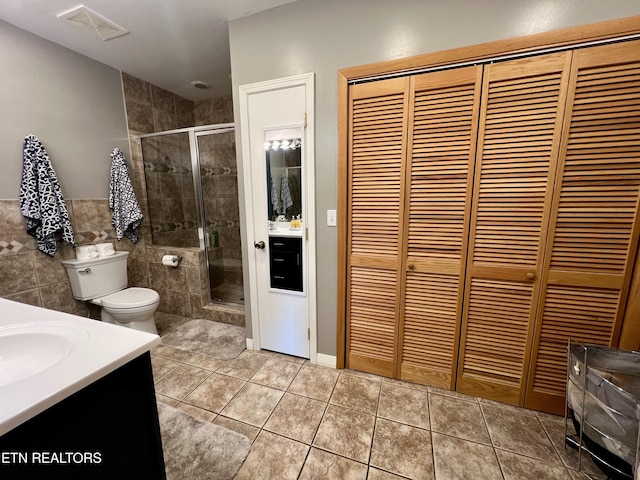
x: 126, y: 214
x: 285, y: 195
x: 41, y: 200
x: 275, y: 202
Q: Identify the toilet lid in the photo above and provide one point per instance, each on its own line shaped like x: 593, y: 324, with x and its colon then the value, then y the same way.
x: 130, y: 298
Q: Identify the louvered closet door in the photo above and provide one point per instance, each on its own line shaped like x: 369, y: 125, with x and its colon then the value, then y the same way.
x: 517, y: 153
x: 377, y: 150
x: 595, y: 216
x: 443, y: 131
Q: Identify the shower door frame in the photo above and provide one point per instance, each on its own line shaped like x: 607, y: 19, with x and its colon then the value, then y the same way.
x: 194, y: 133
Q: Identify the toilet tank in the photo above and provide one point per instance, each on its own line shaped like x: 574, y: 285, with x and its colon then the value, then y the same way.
x: 97, y: 277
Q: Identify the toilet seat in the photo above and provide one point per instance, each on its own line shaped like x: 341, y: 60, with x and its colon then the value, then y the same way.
x: 129, y: 298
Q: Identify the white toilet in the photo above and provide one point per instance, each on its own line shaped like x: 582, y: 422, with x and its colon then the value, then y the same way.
x: 103, y: 281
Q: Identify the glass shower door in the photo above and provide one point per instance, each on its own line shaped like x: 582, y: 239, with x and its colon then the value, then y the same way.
x: 220, y: 211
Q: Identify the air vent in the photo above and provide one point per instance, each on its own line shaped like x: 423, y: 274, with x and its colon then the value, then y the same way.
x: 94, y: 22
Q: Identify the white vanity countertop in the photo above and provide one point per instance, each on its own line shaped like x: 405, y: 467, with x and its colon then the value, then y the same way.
x: 86, y: 350
x: 286, y: 232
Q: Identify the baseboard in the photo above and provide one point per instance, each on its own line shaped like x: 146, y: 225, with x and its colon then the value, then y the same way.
x: 326, y: 360
x: 249, y: 343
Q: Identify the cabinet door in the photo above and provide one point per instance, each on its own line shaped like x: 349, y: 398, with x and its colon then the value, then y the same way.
x: 377, y: 149
x: 594, y: 230
x: 442, y: 139
x: 519, y: 139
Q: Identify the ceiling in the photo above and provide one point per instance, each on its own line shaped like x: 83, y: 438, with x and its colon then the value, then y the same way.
x: 169, y: 43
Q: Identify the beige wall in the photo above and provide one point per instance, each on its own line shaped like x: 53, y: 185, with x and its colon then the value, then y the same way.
x: 323, y: 37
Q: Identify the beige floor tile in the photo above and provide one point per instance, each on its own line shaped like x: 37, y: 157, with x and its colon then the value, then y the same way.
x: 162, y: 366
x: 215, y: 392
x: 243, y: 366
x: 458, y: 417
x: 403, y: 383
x: 195, y: 412
x: 506, y: 427
x: 204, y: 361
x: 273, y: 457
x: 358, y: 393
x: 276, y: 373
x: 253, y: 404
x: 296, y: 417
x: 172, y: 353
x: 518, y: 467
x: 404, y: 405
x: 325, y: 465
x: 172, y: 402
x: 456, y: 459
x: 568, y: 455
x: 314, y: 382
x: 181, y: 381
x: 375, y: 474
x: 245, y: 429
x: 402, y: 449
x: 284, y: 356
x: 346, y: 432
x: 450, y: 393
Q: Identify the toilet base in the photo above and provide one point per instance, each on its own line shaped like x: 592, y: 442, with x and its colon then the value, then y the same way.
x: 147, y: 325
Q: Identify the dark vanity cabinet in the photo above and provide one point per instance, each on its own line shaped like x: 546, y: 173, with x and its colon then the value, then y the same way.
x: 285, y: 263
x: 108, y: 430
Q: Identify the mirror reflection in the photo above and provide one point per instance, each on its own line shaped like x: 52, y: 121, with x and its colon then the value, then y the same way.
x: 284, y: 179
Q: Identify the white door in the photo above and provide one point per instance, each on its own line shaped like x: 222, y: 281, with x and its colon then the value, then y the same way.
x: 276, y: 144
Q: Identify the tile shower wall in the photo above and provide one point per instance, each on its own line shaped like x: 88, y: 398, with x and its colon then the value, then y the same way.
x: 183, y: 290
x: 169, y: 190
x: 214, y: 111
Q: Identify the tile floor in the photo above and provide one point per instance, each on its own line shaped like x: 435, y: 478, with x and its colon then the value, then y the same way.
x: 311, y: 422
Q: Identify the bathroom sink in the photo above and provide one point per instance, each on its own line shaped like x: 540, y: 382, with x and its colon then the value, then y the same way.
x: 27, y: 349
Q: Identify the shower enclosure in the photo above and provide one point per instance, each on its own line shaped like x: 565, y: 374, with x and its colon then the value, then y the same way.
x: 192, y: 191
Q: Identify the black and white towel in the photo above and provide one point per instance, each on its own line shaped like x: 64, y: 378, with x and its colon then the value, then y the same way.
x: 41, y: 200
x: 126, y: 213
x: 285, y: 195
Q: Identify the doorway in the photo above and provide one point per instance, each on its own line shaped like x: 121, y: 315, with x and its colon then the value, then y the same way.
x: 278, y: 176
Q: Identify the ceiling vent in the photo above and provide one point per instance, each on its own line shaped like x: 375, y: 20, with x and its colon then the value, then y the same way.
x: 94, y: 22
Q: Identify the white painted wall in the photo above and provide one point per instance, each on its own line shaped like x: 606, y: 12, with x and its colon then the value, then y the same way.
x: 323, y: 36
x: 73, y: 104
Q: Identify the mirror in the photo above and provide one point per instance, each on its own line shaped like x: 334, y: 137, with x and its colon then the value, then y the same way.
x: 284, y: 179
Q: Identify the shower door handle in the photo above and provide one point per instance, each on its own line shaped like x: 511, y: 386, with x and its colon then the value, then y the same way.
x: 259, y: 245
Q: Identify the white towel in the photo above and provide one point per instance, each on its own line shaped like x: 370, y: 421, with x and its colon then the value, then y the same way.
x: 285, y: 195
x: 126, y: 213
x: 41, y: 200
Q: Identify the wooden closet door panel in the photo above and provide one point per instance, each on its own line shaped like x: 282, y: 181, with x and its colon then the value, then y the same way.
x: 594, y: 231
x: 442, y: 138
x: 377, y: 148
x: 518, y: 145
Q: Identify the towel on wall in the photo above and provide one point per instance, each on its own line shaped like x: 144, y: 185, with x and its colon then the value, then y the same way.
x: 285, y: 195
x: 126, y: 213
x: 41, y: 200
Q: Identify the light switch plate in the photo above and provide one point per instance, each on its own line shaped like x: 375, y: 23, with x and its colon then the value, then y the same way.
x: 331, y: 218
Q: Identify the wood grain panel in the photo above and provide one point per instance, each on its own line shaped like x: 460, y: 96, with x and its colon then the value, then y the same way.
x: 519, y: 140
x: 377, y: 148
x: 443, y: 132
x: 594, y: 231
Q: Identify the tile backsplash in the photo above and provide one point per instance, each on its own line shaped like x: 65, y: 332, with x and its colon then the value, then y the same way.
x: 30, y: 276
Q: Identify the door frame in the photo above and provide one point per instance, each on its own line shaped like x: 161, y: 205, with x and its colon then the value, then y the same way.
x: 245, y: 92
